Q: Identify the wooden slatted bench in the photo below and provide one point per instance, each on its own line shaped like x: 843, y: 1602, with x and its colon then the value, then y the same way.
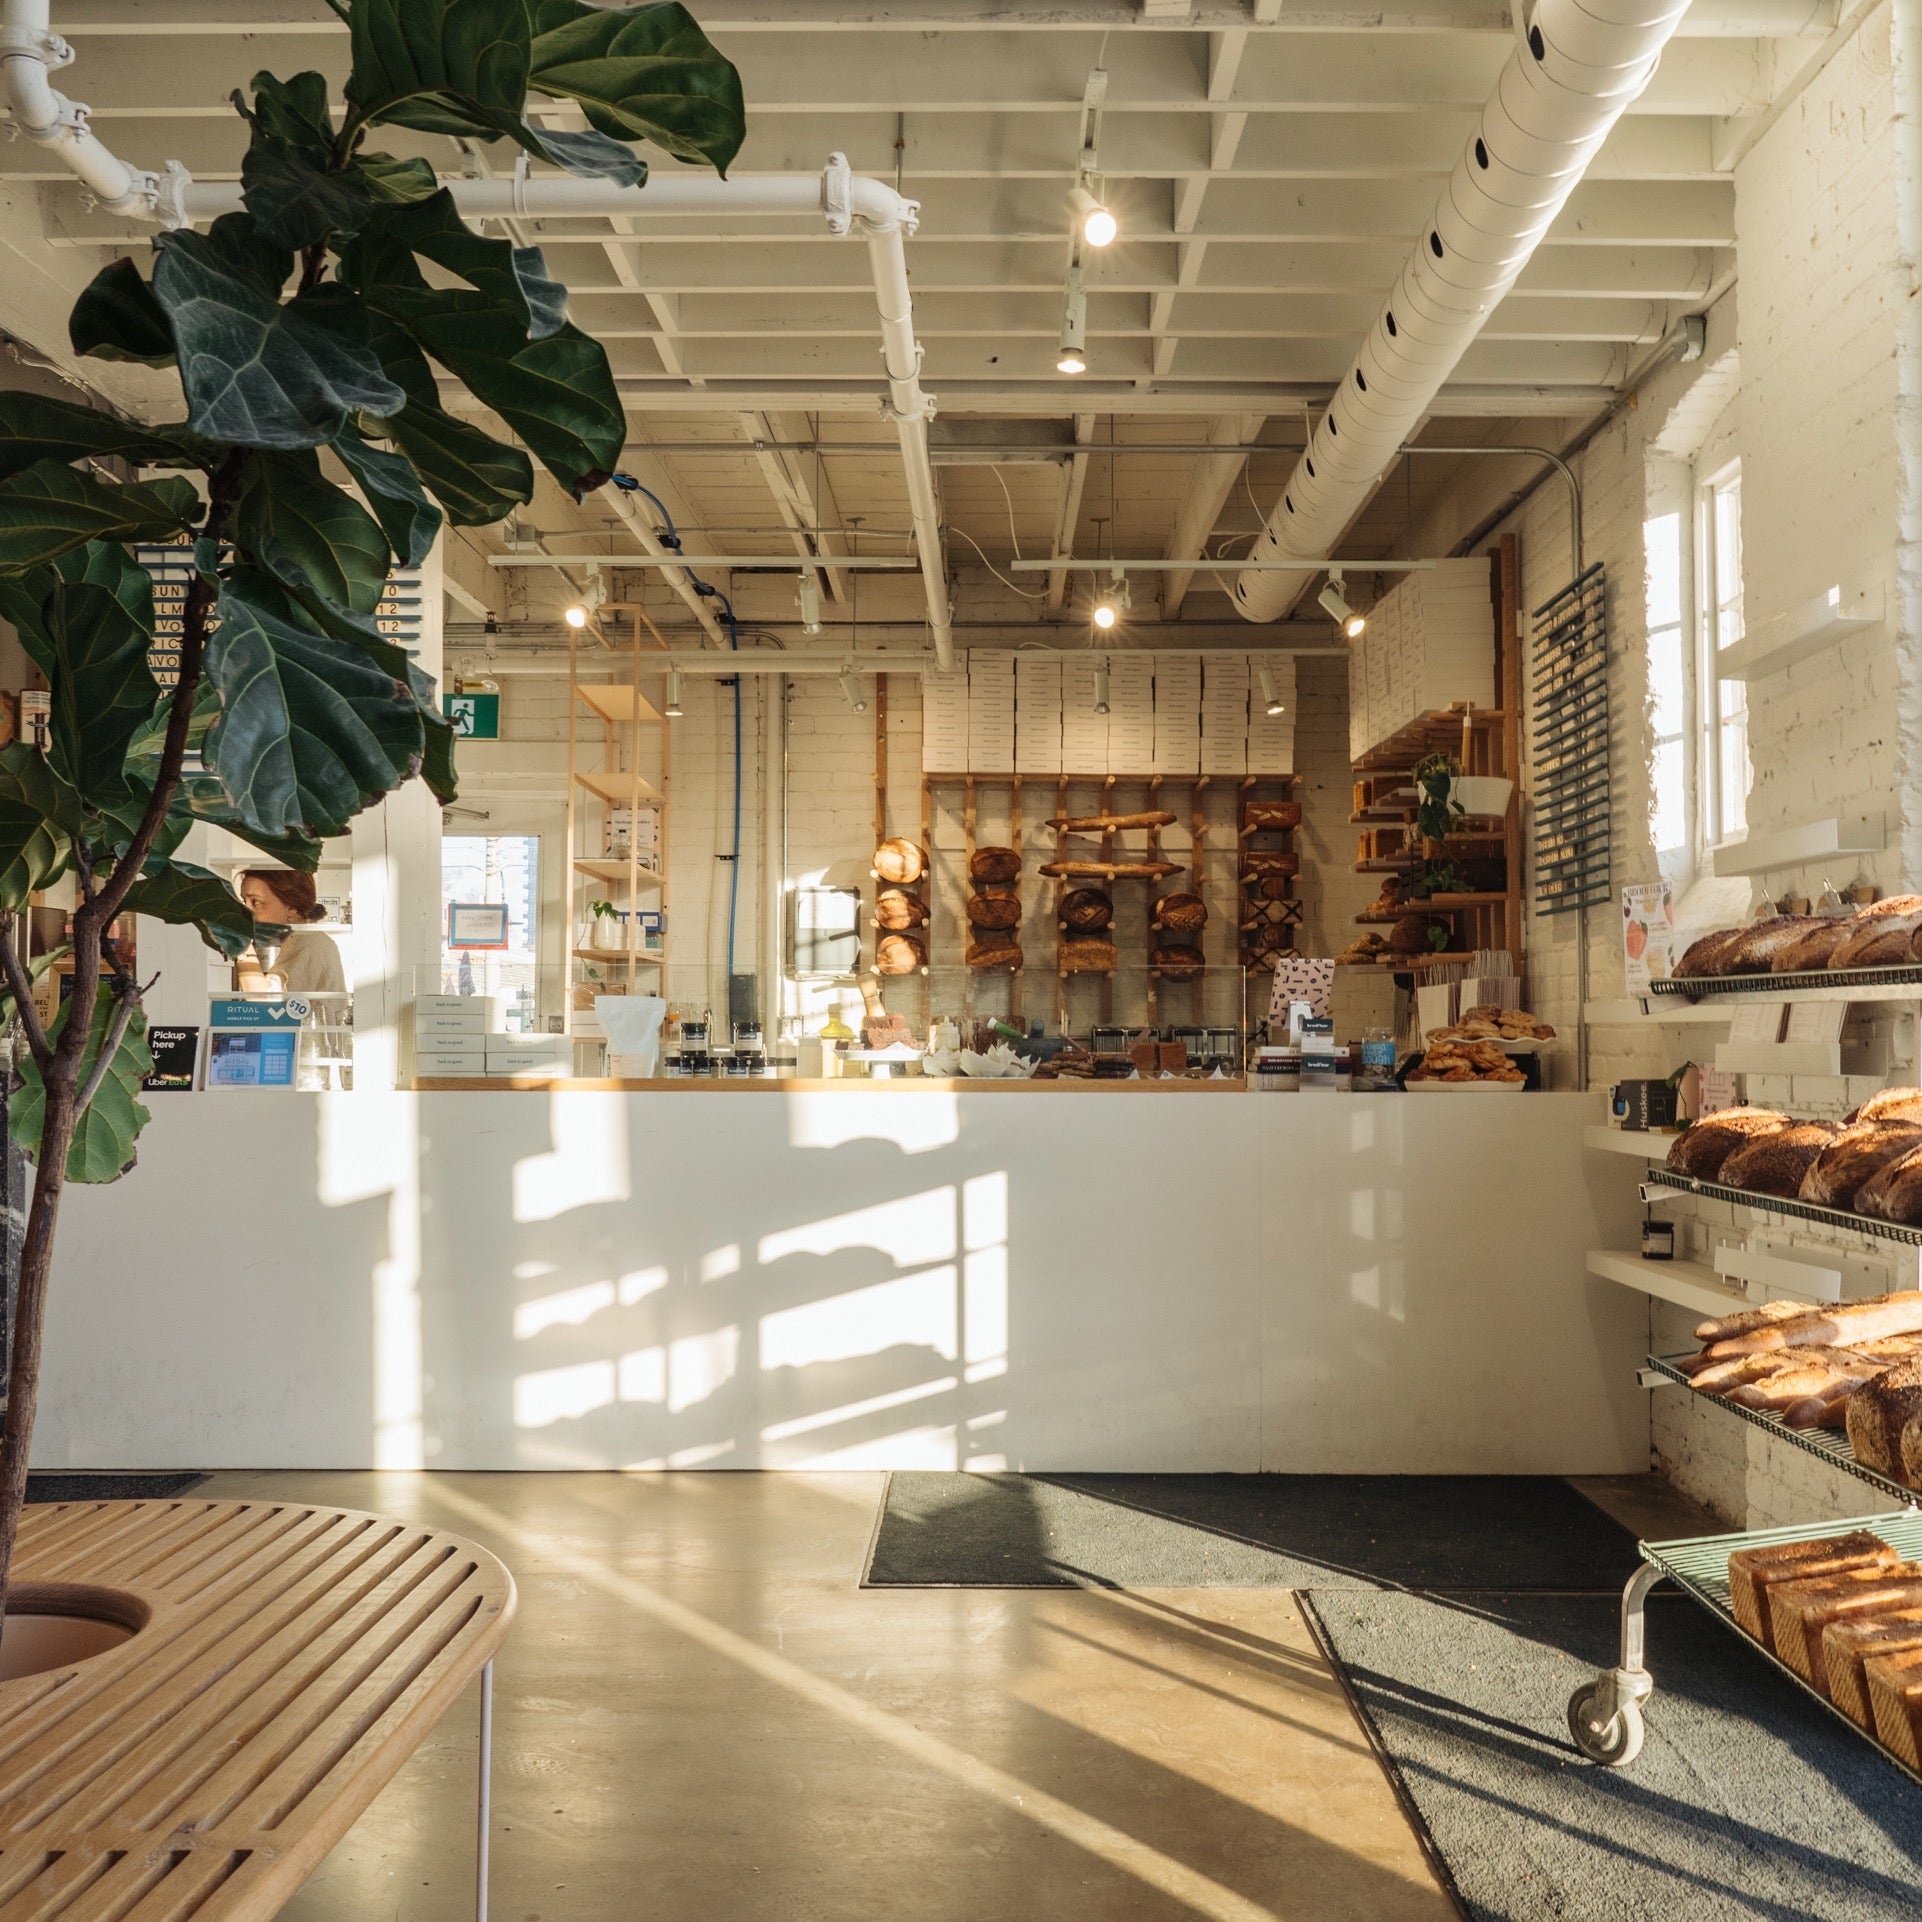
x: 286, y: 1661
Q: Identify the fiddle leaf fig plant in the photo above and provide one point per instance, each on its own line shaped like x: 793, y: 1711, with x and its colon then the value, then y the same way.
x: 311, y: 331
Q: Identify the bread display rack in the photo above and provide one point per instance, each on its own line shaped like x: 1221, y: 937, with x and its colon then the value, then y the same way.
x: 1901, y: 983
x: 1605, y: 1715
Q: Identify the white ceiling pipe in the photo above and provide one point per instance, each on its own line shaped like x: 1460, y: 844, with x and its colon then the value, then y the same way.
x: 1572, y: 74
x: 849, y: 202
x: 29, y: 48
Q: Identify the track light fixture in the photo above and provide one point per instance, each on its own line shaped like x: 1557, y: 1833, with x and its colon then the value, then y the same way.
x: 1271, y: 701
x: 1335, y: 605
x: 851, y: 690
x: 1112, y: 602
x: 1073, y: 357
x: 1098, y: 226
x: 1101, y: 685
x: 583, y: 610
x: 672, y: 707
x: 807, y: 598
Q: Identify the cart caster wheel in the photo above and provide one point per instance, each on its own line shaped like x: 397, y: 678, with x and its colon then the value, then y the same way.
x: 1612, y: 1740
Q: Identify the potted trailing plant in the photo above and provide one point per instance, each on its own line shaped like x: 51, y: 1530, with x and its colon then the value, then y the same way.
x: 311, y: 320
x: 609, y: 926
x: 1436, y: 809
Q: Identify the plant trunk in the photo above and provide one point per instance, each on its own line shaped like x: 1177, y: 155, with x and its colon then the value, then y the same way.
x: 30, y: 1315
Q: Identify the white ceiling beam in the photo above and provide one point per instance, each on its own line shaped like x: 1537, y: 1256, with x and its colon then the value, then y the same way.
x: 810, y: 516
x: 1074, y: 478
x: 1212, y: 482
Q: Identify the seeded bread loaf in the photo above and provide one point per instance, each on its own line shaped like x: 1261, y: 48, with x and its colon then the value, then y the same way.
x: 994, y: 951
x: 1701, y: 1151
x: 1859, y: 1152
x: 1853, y: 1641
x: 1878, y: 1413
x: 1704, y: 957
x: 1754, y: 949
x: 1178, y: 914
x: 1879, y: 941
x: 993, y: 867
x: 1889, y: 1104
x: 1815, y: 947
x: 1752, y: 1572
x: 1086, y: 910
x: 1894, y: 1191
x: 1778, y: 1162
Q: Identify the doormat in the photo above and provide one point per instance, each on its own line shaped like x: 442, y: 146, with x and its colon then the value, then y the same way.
x: 938, y: 1530
x: 1747, y: 1798
x: 110, y: 1488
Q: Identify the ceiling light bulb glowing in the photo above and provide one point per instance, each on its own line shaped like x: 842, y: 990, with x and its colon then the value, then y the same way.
x: 1334, y: 603
x: 1073, y: 357
x: 672, y: 709
x: 1098, y: 225
x: 1271, y: 700
x: 1104, y: 615
x: 1101, y: 687
x: 808, y: 599
x: 575, y: 617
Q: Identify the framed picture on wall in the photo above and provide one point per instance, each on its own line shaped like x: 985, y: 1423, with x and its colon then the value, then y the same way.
x: 476, y: 924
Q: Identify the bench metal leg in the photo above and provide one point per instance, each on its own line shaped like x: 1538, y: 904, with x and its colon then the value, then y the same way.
x: 486, y: 1790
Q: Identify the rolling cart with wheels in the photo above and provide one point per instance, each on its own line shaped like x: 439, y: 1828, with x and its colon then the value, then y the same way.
x: 1605, y: 1715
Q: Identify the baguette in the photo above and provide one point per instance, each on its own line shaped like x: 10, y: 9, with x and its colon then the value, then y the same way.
x: 1826, y: 1410
x: 1849, y: 1643
x: 1814, y: 948
x: 1800, y: 1611
x: 1777, y: 1394
x: 1110, y: 823
x: 1835, y: 1325
x: 1727, y: 1325
x: 1895, y: 1697
x: 1109, y: 870
x: 1752, y: 1572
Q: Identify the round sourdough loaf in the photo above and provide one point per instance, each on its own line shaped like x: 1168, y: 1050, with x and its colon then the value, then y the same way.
x: 1777, y: 1162
x: 1701, y: 1150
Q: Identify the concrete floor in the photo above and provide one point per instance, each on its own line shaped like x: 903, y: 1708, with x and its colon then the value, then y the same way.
x: 700, y: 1715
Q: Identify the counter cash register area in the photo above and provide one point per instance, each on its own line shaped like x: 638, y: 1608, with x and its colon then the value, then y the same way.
x: 850, y: 1275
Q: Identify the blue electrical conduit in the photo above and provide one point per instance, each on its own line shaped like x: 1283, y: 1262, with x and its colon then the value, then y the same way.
x: 672, y: 542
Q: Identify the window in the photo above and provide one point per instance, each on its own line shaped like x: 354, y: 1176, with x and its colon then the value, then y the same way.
x: 502, y: 869
x: 1668, y: 688
x: 1723, y: 705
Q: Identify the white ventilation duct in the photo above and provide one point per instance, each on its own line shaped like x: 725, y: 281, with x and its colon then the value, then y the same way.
x: 1575, y: 71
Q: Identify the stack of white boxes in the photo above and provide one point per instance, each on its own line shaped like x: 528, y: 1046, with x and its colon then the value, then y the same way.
x: 1177, y: 715
x: 1037, y: 713
x: 1084, y: 733
x: 1131, y: 713
x: 1271, y: 737
x: 1430, y: 643
x: 537, y: 1057
x: 1224, y: 717
x: 991, y: 713
x: 944, y: 720
x: 446, y: 1034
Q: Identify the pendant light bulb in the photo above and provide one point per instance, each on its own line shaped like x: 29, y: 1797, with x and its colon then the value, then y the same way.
x: 1271, y: 701
x: 1098, y: 226
x: 807, y: 598
x: 1073, y: 357
x: 1104, y: 615
x: 575, y: 617
x: 672, y: 707
x: 851, y: 690
x: 1334, y: 603
x: 1101, y: 686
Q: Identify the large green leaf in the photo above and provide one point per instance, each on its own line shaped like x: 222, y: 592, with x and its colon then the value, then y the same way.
x: 294, y: 111
x: 396, y: 182
x: 177, y: 892
x: 38, y: 813
x: 393, y: 490
x: 201, y: 798
x: 259, y: 373
x: 103, y: 689
x: 594, y: 156
x: 24, y: 597
x: 641, y: 73
x: 290, y: 515
x: 118, y: 318
x: 557, y: 394
x: 443, y: 66
x: 36, y: 427
x: 103, y: 1139
x: 296, y: 202
x: 311, y: 729
x: 49, y: 509
x: 514, y: 279
x: 476, y: 478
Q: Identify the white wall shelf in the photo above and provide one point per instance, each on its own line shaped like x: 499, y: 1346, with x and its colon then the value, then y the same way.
x: 1798, y: 634
x: 1811, y: 841
x: 1688, y: 1284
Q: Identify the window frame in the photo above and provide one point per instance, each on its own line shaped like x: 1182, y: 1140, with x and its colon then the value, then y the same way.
x: 1712, y: 723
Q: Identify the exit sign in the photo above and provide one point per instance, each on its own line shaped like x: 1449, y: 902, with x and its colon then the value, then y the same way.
x: 476, y: 717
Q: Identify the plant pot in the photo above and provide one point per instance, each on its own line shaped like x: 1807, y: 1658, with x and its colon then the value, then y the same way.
x: 610, y: 935
x: 1481, y: 794
x: 53, y: 1626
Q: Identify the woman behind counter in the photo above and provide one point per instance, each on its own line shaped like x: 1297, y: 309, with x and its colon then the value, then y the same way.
x: 303, y: 963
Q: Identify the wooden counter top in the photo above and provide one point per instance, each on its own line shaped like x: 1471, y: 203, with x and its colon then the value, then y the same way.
x: 766, y: 1084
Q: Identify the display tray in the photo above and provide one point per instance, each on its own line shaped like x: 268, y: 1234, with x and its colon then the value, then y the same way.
x: 1694, y: 987
x: 1829, y: 1443
x: 1699, y: 1566
x: 1782, y: 1205
x: 1412, y: 1086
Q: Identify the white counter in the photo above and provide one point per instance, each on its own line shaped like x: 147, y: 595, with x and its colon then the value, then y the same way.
x: 858, y: 1278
